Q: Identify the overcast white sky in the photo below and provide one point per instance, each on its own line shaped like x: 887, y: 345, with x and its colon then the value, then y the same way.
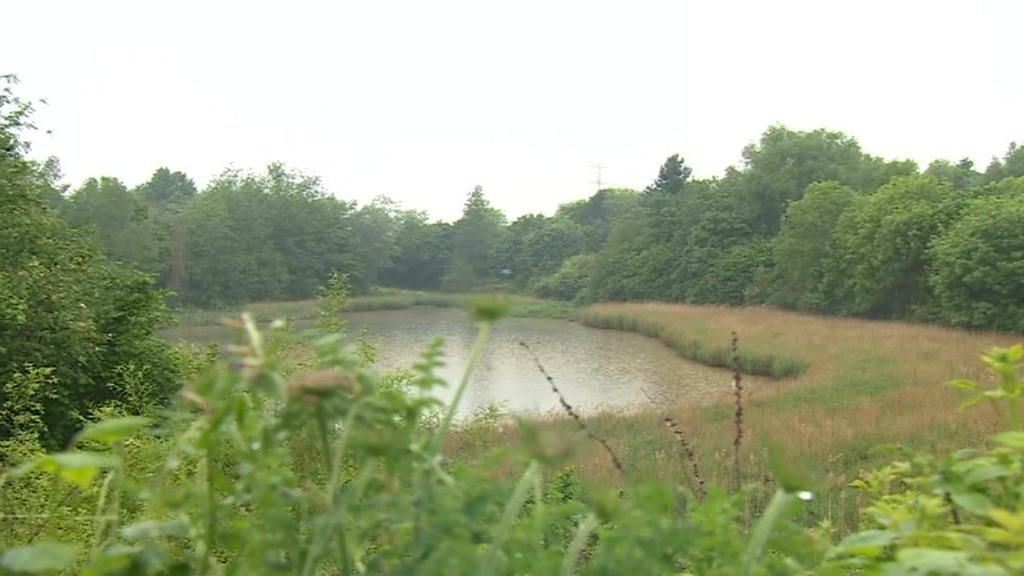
x: 423, y: 99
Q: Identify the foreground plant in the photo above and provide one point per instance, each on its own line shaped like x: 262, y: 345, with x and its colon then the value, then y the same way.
x: 337, y: 471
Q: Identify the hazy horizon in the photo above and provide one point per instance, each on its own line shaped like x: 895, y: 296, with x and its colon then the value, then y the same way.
x: 421, y: 103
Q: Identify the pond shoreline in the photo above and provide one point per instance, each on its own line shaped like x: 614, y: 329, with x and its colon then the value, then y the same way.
x: 599, y: 370
x: 713, y: 354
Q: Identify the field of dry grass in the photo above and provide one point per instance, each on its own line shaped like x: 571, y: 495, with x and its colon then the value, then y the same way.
x: 858, y: 384
x: 886, y: 381
x: 867, y: 383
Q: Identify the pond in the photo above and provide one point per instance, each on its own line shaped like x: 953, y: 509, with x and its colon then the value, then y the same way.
x: 595, y: 369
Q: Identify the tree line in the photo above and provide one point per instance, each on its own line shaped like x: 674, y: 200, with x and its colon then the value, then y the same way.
x: 807, y: 221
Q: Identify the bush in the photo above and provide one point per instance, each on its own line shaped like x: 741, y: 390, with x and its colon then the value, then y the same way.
x: 570, y: 281
x: 978, y: 268
x: 65, y: 309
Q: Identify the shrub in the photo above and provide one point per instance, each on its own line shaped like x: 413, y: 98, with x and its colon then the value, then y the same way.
x: 978, y: 264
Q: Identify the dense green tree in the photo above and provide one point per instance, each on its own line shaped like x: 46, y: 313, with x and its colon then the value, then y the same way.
x: 1011, y: 165
x: 76, y: 331
x: 598, y: 214
x: 570, y: 281
x: 882, y: 259
x: 803, y: 249
x: 715, y: 249
x: 780, y: 167
x: 277, y: 236
x: 961, y: 175
x: 672, y: 176
x: 807, y: 221
x: 977, y: 269
x: 535, y: 246
x: 376, y: 227
x: 422, y: 253
x: 166, y: 187
x: 118, y: 219
x: 474, y: 238
x: 167, y: 193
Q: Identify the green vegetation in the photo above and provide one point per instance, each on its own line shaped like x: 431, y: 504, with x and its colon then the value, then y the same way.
x: 520, y: 307
x: 809, y: 222
x: 694, y: 347
x: 264, y: 468
x: 76, y: 331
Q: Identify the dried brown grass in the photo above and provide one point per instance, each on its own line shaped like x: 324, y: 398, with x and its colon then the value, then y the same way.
x: 868, y: 383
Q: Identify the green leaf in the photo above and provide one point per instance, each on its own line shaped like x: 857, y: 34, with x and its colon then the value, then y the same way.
x: 77, y: 467
x: 973, y: 502
x: 870, y: 543
x: 970, y: 401
x: 147, y: 529
x: 943, y: 562
x: 112, y: 430
x: 1011, y: 439
x: 793, y: 473
x: 38, y: 558
x: 1015, y: 353
x: 986, y: 473
x: 964, y: 384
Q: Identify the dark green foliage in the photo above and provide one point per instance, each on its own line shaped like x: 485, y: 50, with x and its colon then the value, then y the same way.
x: 1011, y: 165
x: 598, y: 214
x: 73, y: 326
x: 780, y: 167
x: 672, y: 176
x: 534, y: 246
x: 977, y: 268
x: 118, y: 219
x: 168, y: 188
x: 571, y: 279
x: 961, y: 175
x: 803, y: 249
x: 475, y: 237
x: 881, y: 247
x: 422, y: 253
x: 243, y: 242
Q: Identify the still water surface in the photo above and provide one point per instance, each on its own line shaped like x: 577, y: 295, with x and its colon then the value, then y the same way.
x: 595, y: 369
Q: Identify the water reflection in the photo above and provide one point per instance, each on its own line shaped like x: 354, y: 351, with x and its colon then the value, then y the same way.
x: 595, y: 369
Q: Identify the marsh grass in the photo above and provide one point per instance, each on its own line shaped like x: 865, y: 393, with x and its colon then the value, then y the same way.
x: 697, y: 345
x: 865, y: 383
x: 861, y: 383
x: 263, y: 312
x: 387, y: 490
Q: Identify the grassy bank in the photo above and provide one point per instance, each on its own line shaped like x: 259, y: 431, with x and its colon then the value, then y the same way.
x: 850, y: 384
x: 694, y: 343
x: 520, y: 306
x: 861, y: 384
x: 865, y: 381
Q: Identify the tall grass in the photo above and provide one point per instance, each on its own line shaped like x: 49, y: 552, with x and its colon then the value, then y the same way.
x: 382, y: 488
x: 262, y: 312
x: 693, y: 346
x: 864, y: 383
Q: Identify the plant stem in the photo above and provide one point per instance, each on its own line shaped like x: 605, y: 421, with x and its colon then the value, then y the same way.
x: 763, y: 529
x: 211, y: 513
x: 579, y: 542
x: 1013, y: 409
x: 325, y: 440
x: 474, y: 358
x: 101, y: 522
x: 512, y: 508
